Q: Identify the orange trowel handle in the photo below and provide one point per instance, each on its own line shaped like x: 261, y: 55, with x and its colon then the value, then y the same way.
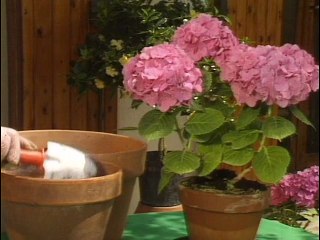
x: 32, y: 157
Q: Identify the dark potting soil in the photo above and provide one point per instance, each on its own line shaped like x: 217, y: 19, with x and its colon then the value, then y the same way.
x: 219, y: 180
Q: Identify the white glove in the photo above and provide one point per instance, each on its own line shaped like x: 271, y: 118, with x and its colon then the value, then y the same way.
x: 64, y: 162
x: 11, y: 143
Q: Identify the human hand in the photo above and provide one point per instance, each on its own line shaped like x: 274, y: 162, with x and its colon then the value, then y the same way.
x: 11, y: 143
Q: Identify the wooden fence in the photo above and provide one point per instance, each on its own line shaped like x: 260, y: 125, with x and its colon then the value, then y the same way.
x: 44, y: 37
x: 51, y: 31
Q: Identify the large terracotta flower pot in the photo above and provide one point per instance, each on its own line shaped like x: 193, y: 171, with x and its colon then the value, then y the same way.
x: 38, y: 209
x: 125, y: 152
x: 214, y: 215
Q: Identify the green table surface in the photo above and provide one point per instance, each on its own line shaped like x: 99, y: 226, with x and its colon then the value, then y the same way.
x: 171, y: 226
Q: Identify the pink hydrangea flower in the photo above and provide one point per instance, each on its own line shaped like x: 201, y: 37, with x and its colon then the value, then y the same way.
x: 163, y: 76
x: 276, y: 75
x: 301, y: 188
x: 205, y: 36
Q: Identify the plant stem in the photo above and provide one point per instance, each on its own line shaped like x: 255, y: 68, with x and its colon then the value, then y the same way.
x: 179, y: 131
x: 241, y: 175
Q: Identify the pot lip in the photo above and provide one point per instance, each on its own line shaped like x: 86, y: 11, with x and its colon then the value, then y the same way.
x: 114, y: 170
x: 222, y: 192
x: 48, y: 192
x: 142, y: 147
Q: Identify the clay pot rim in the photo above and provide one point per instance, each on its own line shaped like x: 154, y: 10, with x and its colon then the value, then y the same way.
x: 74, y: 191
x: 196, y: 198
x: 114, y: 170
x: 136, y: 149
x: 222, y: 193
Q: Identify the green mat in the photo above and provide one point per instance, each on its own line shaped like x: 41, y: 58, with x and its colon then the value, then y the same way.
x: 171, y: 226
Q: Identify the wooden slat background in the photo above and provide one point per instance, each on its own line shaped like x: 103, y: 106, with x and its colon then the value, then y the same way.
x: 307, y: 28
x: 51, y: 33
x: 259, y: 20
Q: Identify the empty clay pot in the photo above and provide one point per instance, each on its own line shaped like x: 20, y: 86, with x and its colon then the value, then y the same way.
x: 37, y: 208
x: 125, y: 152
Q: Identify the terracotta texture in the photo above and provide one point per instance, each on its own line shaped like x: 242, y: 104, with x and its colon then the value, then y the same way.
x: 125, y: 152
x: 37, y: 208
x: 211, y: 216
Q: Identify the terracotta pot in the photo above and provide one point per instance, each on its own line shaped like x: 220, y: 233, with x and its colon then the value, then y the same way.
x: 213, y: 215
x: 37, y: 208
x: 125, y: 152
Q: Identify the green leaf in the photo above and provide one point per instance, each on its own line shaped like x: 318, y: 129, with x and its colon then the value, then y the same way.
x: 181, y: 162
x: 247, y: 116
x: 205, y: 122
x: 211, y: 160
x: 278, y: 128
x: 241, y: 139
x: 165, y: 180
x: 155, y: 124
x: 237, y: 157
x: 271, y: 164
x: 301, y: 116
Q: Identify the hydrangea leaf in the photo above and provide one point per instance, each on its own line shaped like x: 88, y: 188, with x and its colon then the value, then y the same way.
x: 165, y: 180
x: 301, y: 116
x: 247, y: 116
x: 181, y: 162
x: 237, y: 157
x: 155, y: 124
x: 278, y: 128
x: 211, y: 160
x: 271, y: 163
x: 241, y: 139
x: 205, y: 122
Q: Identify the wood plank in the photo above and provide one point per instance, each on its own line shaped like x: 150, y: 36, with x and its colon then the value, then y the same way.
x: 43, y: 63
x: 28, y: 64
x: 241, y: 19
x: 251, y: 21
x: 14, y: 28
x: 110, y: 111
x: 79, y: 28
x: 93, y: 112
x: 61, y: 65
x: 274, y: 22
x: 261, y: 22
x: 308, y: 17
x: 232, y: 9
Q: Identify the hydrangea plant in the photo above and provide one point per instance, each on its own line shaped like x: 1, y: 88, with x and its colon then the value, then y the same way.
x: 295, y: 199
x: 227, y: 94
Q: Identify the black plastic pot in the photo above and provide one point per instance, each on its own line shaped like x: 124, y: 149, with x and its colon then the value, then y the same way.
x: 149, y: 182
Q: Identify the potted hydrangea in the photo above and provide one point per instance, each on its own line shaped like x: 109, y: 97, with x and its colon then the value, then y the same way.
x: 221, y: 96
x: 295, y: 200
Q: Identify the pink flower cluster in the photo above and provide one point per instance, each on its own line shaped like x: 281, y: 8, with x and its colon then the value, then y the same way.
x: 163, y: 76
x: 276, y: 75
x: 301, y: 188
x: 205, y: 36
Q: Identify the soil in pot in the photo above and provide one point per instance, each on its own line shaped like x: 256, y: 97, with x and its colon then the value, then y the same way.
x: 215, y: 210
x: 73, y: 209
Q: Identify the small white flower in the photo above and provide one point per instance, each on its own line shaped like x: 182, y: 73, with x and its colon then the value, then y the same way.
x: 118, y: 44
x: 112, y: 72
x: 99, y: 83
